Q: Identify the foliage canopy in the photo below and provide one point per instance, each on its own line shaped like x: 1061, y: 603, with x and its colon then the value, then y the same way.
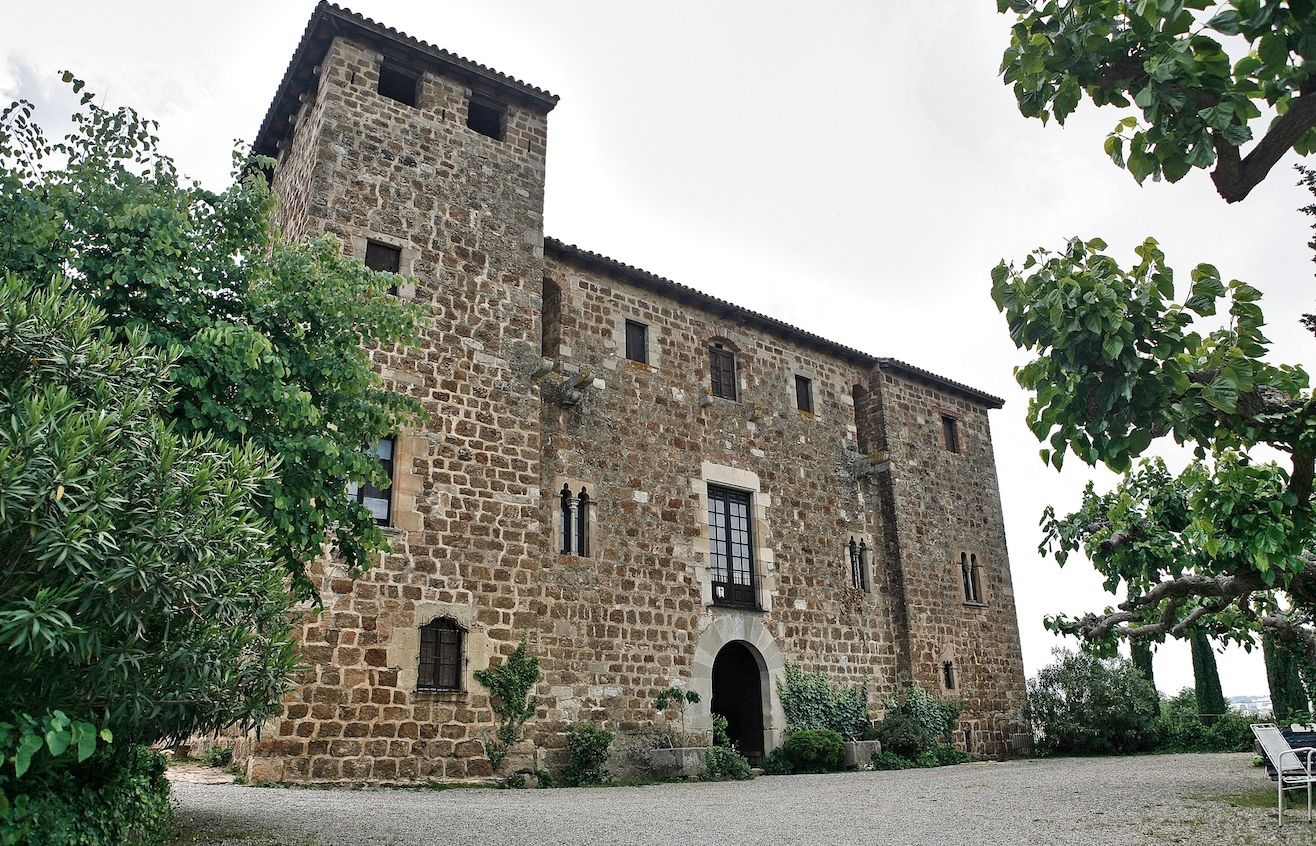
x: 269, y: 339
x: 1202, y: 75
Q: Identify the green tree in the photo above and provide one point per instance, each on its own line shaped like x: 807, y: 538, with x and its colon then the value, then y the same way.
x: 1199, y: 73
x: 1141, y: 658
x: 1288, y: 695
x: 1118, y: 364
x: 137, y: 584
x: 1084, y: 705
x: 270, y: 338
x: 1206, y: 677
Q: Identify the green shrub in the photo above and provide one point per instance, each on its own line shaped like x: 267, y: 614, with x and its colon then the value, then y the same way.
x: 815, y: 751
x: 722, y: 763
x: 810, y: 702
x: 937, y: 717
x: 217, y: 755
x: 108, y: 800
x: 1181, y: 729
x: 509, y: 685
x: 1081, y: 705
x: 943, y: 756
x: 777, y: 763
x: 587, y: 753
x: 904, y: 736
x: 885, y: 760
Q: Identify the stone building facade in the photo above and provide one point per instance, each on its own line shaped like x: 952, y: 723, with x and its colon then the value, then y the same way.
x: 651, y: 485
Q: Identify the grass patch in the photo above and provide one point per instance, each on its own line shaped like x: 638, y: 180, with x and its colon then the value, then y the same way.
x: 1263, y: 799
x: 198, y: 832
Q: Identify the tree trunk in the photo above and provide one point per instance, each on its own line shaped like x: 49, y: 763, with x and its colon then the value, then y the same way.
x: 1142, y: 662
x: 1210, y: 697
x: 1288, y: 698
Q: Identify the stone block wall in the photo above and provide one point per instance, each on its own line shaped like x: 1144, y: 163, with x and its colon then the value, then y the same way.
x: 947, y: 503
x: 466, y: 210
x: 475, y: 505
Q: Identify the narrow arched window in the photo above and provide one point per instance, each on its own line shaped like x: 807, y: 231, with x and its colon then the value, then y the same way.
x: 567, y: 527
x: 975, y: 578
x: 582, y: 524
x: 858, y: 563
x: 966, y: 576
x: 440, y: 656
x: 948, y: 674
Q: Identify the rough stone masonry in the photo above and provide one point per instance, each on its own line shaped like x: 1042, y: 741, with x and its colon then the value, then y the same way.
x: 651, y: 485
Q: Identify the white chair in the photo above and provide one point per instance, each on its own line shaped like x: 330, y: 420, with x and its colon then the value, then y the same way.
x: 1293, y: 777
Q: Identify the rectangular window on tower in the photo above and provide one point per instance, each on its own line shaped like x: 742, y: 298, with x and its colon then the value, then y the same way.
x: 950, y: 433
x: 637, y: 341
x: 804, y: 393
x: 398, y: 82
x: 384, y: 258
x: 487, y: 117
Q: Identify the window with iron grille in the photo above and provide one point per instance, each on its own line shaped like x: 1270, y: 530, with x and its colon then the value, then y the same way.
x: 399, y: 83
x: 730, y: 548
x: 859, y: 563
x: 950, y: 433
x: 804, y: 393
x: 440, y: 656
x: 378, y: 500
x: 637, y: 342
x: 722, y: 369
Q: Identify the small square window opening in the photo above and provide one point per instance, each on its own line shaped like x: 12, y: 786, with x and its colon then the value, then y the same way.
x: 637, y: 342
x: 486, y: 117
x: 400, y: 84
x: 804, y: 393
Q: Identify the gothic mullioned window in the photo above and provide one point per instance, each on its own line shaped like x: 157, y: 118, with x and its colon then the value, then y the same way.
x: 971, y: 577
x: 574, y: 516
x: 858, y: 563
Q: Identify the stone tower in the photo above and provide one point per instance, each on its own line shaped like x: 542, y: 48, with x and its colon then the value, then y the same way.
x: 401, y: 149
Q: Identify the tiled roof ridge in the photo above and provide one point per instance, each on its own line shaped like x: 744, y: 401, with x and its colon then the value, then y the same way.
x: 661, y: 284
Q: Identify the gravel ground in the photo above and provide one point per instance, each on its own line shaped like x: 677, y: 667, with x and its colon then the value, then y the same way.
x: 1108, y: 801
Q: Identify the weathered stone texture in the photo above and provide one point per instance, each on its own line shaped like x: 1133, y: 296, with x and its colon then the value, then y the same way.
x: 475, y: 491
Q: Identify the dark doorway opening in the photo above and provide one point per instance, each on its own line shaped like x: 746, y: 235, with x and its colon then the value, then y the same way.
x: 738, y: 696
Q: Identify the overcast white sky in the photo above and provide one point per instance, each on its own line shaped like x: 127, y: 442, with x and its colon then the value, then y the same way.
x: 855, y: 168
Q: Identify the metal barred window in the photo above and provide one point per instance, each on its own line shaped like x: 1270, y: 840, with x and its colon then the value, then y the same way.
x: 722, y: 371
x: 440, y: 656
x: 730, y: 548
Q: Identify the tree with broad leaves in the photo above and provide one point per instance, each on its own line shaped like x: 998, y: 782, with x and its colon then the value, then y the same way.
x: 1206, y: 76
x: 1119, y: 364
x: 270, y: 337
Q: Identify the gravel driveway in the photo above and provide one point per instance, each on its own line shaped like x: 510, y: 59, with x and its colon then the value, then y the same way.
x: 1107, y: 801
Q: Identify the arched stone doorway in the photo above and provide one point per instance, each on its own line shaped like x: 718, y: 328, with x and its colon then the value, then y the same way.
x: 738, y: 673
